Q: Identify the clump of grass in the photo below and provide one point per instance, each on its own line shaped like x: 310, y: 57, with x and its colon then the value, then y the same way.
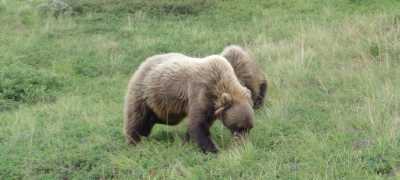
x: 378, y: 165
x: 87, y: 68
x: 21, y: 83
x: 181, y: 7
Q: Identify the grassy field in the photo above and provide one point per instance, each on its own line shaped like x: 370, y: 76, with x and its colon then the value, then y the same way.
x: 333, y: 108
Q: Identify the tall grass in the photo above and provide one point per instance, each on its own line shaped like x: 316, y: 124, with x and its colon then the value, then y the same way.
x: 332, y: 109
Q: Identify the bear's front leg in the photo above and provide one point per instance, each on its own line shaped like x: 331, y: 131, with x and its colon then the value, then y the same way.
x: 200, y: 133
x: 200, y: 121
x: 201, y: 117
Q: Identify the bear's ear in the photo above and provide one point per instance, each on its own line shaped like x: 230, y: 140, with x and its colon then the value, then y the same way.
x: 225, y: 103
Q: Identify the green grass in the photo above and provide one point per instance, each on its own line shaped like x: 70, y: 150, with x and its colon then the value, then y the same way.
x: 333, y: 108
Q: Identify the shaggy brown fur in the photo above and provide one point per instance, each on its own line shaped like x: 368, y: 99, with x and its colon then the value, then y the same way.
x: 168, y: 87
x: 248, y: 72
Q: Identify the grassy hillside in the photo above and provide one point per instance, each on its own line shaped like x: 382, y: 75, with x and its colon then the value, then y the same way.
x: 333, y: 108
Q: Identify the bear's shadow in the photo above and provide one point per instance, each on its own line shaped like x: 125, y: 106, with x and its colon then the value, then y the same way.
x: 221, y: 139
x: 167, y: 136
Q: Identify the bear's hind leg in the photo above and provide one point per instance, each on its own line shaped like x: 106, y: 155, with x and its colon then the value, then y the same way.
x: 138, y: 120
x: 147, y: 126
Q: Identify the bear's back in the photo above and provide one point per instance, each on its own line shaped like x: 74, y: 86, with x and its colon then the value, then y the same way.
x: 167, y: 82
x: 171, y: 74
x: 168, y: 78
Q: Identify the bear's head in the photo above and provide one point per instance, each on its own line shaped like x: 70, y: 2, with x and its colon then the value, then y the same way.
x: 258, y: 87
x: 236, y: 113
x: 249, y: 73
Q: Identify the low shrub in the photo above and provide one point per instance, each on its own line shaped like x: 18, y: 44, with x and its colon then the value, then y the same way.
x: 21, y: 83
x: 153, y: 7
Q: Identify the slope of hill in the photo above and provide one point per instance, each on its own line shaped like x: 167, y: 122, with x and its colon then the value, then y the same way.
x: 333, y: 103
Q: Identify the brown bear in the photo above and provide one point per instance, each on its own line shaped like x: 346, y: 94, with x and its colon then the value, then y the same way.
x: 168, y: 87
x: 248, y: 72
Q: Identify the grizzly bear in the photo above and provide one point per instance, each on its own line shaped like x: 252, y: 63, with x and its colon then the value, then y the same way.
x: 168, y: 87
x: 248, y: 72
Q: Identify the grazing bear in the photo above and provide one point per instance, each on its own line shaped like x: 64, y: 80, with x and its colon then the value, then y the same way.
x: 166, y: 88
x: 248, y: 73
